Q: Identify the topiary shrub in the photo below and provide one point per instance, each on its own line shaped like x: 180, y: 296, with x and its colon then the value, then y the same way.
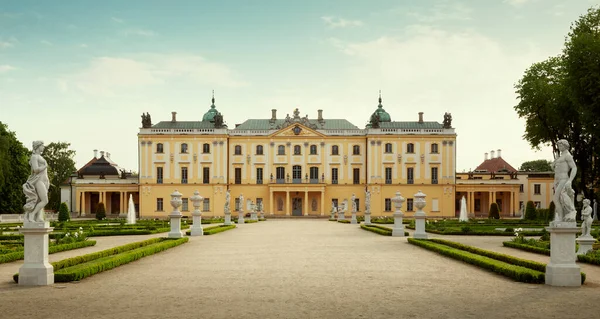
x: 551, y: 210
x: 100, y: 212
x: 63, y: 213
x: 530, y: 213
x: 494, y: 211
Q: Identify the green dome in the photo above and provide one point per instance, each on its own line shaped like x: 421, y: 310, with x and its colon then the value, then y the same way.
x: 210, y: 115
x: 383, y: 115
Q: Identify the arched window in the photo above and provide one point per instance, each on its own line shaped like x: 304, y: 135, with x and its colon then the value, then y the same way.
x: 388, y: 147
x: 237, y: 150
x: 410, y: 148
x: 335, y: 150
x: 205, y: 148
x: 313, y: 150
x: 184, y: 148
x: 159, y: 148
x: 281, y: 150
x: 356, y: 150
x: 259, y: 150
x: 297, y: 150
x: 434, y: 148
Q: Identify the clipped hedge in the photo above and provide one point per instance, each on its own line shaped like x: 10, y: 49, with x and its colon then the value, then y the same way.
x: 344, y: 221
x: 250, y: 221
x: 18, y: 255
x: 518, y: 273
x: 475, y: 232
x: 529, y: 248
x: 77, y: 268
x: 385, y: 231
x: 214, y: 229
x: 592, y: 257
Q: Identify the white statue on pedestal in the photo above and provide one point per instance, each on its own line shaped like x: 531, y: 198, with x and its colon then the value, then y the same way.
x: 227, y: 200
x: 586, y: 217
x: 563, y: 192
x: 354, y: 203
x: 36, y: 187
x: 367, y: 202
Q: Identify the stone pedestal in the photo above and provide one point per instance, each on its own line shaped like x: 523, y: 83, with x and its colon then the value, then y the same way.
x: 227, y: 217
x: 341, y: 216
x: 36, y: 270
x: 562, y: 270
x: 253, y: 216
x: 585, y: 244
x: 398, y: 230
x: 332, y: 215
x: 420, y: 217
x: 241, y: 220
x: 175, y: 216
x: 196, y: 229
x: 353, y: 220
x: 367, y: 218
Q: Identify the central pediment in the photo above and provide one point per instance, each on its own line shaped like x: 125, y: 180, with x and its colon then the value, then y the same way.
x: 297, y: 130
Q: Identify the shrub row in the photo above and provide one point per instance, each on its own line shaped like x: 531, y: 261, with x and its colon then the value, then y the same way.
x: 480, y: 232
x: 98, y: 233
x: 344, y: 221
x: 217, y: 229
x: 250, y: 221
x: 385, y: 231
x: 529, y: 248
x: 18, y: 255
x: 515, y: 272
x: 592, y: 257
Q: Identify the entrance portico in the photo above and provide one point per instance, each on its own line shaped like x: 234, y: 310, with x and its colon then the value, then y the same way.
x: 297, y: 200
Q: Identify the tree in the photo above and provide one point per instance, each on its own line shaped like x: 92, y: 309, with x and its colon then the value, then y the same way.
x: 530, y: 213
x: 63, y: 213
x: 494, y: 211
x: 536, y: 166
x: 551, y: 210
x: 14, y: 171
x: 100, y: 211
x: 60, y: 166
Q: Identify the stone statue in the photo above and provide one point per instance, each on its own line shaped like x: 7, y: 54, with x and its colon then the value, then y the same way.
x: 227, y: 200
x: 146, y: 120
x: 447, y: 120
x: 296, y: 113
x: 367, y: 202
x: 241, y: 204
x: 586, y: 217
x: 564, y: 195
x: 353, y: 203
x: 36, y: 186
x: 345, y: 205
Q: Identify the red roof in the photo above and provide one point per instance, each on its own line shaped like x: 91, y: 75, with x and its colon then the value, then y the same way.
x: 495, y: 165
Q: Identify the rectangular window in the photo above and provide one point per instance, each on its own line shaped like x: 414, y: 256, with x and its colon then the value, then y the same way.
x: 434, y: 175
x: 280, y: 175
x: 410, y: 175
x: 205, y: 148
x: 314, y: 175
x: 206, y: 175
x: 388, y: 175
x: 159, y: 204
x: 435, y: 205
x: 259, y: 175
x: 206, y: 205
x: 521, y: 188
x: 388, y: 204
x: 334, y: 176
x: 335, y: 202
x: 184, y: 175
x: 356, y: 176
x: 356, y: 150
x: 538, y: 205
x: 357, y: 204
x: 259, y: 203
x: 537, y: 189
x: 238, y: 175
x: 313, y: 150
x: 184, y: 205
x: 409, y: 204
x: 159, y: 175
x: 237, y: 204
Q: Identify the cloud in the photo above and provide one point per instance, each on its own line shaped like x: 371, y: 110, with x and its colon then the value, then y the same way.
x: 83, y: 45
x: 139, y: 32
x: 4, y: 44
x: 443, y: 11
x: 107, y: 76
x: 46, y: 42
x: 5, y: 68
x: 117, y: 20
x: 518, y: 3
x: 335, y: 22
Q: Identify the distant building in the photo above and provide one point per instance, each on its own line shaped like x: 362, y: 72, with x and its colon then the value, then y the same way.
x: 494, y: 180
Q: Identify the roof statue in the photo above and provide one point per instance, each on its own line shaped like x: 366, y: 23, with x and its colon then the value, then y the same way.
x: 146, y: 120
x: 447, y: 120
x: 296, y: 120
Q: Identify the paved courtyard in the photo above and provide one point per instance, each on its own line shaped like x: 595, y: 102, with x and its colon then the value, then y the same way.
x: 297, y: 269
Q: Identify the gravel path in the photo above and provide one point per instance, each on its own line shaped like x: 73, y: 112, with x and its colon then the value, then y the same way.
x: 296, y: 269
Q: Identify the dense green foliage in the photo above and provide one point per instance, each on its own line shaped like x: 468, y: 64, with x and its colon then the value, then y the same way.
x: 63, y: 213
x: 14, y: 171
x: 530, y: 213
x: 536, y: 166
x: 60, y: 166
x: 559, y: 98
x: 494, y: 211
x: 100, y: 211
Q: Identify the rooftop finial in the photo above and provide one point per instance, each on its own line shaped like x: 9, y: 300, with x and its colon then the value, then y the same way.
x: 213, y: 99
x: 379, y: 97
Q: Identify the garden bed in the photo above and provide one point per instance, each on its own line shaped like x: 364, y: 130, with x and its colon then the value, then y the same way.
x: 19, y: 254
x: 518, y: 269
x: 77, y: 268
x: 381, y: 230
x: 592, y: 257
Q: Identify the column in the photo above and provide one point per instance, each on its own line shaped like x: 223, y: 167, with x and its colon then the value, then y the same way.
x: 271, y: 202
x: 305, y: 203
x: 120, y: 203
x: 490, y: 200
x: 322, y: 203
x: 82, y: 211
x: 287, y: 203
x: 511, y: 205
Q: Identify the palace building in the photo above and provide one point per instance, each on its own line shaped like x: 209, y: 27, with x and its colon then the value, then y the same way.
x: 297, y: 166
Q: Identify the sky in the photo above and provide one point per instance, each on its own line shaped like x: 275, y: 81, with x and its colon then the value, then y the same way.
x: 84, y: 71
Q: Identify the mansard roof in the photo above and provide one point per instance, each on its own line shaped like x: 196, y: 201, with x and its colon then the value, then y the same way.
x: 411, y: 125
x: 99, y: 167
x: 326, y: 124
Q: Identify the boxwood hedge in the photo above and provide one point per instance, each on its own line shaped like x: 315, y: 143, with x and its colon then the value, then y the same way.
x: 18, y: 255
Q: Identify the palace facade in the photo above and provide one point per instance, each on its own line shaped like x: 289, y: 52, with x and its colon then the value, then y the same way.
x: 297, y: 166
